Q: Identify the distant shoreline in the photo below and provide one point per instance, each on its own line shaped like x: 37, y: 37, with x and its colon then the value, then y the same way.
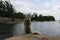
x: 9, y: 20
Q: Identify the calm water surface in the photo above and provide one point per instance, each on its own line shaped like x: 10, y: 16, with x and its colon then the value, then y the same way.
x: 48, y: 28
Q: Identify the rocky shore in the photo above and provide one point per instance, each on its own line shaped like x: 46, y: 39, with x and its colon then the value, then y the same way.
x: 34, y: 37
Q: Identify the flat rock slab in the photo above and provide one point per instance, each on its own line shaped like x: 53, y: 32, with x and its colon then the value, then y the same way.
x: 33, y: 37
x: 29, y: 37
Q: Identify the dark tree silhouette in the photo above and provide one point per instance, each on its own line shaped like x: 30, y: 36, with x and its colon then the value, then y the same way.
x: 19, y: 15
x: 6, y: 9
x: 35, y: 17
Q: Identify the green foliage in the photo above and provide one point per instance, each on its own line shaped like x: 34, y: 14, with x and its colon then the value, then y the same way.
x: 35, y: 17
x: 6, y: 10
x: 2, y: 7
x: 19, y: 15
x: 10, y: 9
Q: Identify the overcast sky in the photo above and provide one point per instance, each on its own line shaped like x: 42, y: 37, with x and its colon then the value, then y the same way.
x: 45, y: 7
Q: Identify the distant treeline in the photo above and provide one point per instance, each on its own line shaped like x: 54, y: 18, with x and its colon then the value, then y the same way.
x: 35, y: 17
x: 7, y: 10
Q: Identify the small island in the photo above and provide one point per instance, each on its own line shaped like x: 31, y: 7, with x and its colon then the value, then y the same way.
x: 42, y: 18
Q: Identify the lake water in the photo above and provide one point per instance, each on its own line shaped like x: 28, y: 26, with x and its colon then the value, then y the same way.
x: 48, y: 28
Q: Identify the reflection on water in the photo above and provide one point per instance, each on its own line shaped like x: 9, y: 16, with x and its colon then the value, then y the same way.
x: 48, y: 28
x: 5, y: 30
x: 18, y: 29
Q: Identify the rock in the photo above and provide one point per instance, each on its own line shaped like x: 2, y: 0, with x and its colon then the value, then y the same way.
x: 29, y: 37
x: 36, y: 33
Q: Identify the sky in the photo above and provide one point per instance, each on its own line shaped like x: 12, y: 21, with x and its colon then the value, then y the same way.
x: 44, y: 7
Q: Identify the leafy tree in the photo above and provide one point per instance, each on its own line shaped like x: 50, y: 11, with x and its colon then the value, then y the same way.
x: 40, y: 17
x: 35, y: 17
x: 2, y: 8
x: 51, y: 18
x: 19, y: 15
x: 10, y: 12
x: 6, y: 9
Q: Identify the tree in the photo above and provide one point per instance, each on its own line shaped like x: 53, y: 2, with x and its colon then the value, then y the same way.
x: 19, y: 15
x: 2, y: 8
x: 10, y: 12
x: 51, y: 18
x: 40, y: 17
x: 6, y: 9
x: 35, y: 16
